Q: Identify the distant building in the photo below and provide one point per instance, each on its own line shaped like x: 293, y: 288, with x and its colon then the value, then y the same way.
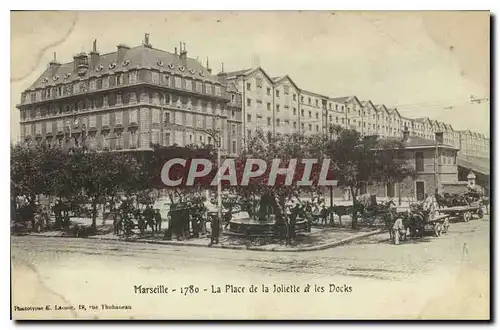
x: 474, y: 144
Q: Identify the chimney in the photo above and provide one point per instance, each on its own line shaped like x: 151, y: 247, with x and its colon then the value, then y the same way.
x: 175, y: 50
x: 183, y: 54
x: 146, y: 43
x: 54, y: 64
x: 121, y: 52
x: 439, y: 137
x: 222, y: 76
x: 406, y: 134
x: 208, y: 67
x: 94, y: 55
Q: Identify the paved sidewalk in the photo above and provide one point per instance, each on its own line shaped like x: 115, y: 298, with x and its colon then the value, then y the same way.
x: 318, y: 239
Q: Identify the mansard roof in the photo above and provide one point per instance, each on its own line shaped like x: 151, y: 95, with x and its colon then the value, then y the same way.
x: 134, y: 58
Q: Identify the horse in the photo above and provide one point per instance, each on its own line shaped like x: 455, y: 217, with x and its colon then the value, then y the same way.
x: 341, y: 210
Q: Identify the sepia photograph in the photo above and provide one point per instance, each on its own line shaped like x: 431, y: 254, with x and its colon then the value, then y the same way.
x: 250, y: 165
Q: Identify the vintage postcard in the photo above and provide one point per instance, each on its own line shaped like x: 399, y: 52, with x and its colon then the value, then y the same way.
x: 260, y: 165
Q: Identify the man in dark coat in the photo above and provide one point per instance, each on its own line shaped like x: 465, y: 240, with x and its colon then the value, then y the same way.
x: 149, y: 217
x: 157, y: 221
x: 215, y: 222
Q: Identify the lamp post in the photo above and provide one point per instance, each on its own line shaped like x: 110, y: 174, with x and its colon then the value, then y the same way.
x: 330, y: 131
x: 436, y: 154
x: 219, y: 186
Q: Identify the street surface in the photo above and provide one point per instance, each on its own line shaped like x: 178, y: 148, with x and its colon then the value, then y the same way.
x: 445, y: 277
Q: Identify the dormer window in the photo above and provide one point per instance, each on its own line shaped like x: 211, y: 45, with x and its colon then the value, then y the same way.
x: 112, y: 65
x: 160, y: 63
x: 125, y: 63
x: 99, y: 68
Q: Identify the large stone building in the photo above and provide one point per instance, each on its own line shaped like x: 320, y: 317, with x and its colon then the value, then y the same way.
x: 130, y: 99
x: 279, y: 105
x: 473, y: 144
x: 135, y: 97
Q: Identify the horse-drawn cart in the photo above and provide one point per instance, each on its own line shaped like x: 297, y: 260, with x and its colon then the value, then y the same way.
x: 418, y: 221
x: 464, y: 212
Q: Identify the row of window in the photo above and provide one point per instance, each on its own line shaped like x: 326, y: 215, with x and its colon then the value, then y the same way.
x: 180, y: 118
x: 121, y: 79
x: 286, y: 88
x: 118, y: 99
x: 130, y: 139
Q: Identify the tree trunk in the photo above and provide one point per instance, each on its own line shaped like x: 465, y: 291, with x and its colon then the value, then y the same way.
x: 399, y: 193
x: 94, y: 214
x: 354, y: 224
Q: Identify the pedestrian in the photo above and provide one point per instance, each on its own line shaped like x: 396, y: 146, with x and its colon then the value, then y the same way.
x: 157, y: 220
x: 149, y: 217
x: 140, y: 218
x: 117, y: 223
x: 429, y: 203
x: 214, y: 237
x: 46, y: 217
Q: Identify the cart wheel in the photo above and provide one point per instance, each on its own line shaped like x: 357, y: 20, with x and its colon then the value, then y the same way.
x: 437, y: 229
x: 466, y: 216
x: 480, y: 213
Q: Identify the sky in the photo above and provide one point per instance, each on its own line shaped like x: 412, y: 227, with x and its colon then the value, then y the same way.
x: 427, y: 64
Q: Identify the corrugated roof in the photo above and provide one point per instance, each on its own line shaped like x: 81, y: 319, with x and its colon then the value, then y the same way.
x: 478, y: 164
x: 137, y: 57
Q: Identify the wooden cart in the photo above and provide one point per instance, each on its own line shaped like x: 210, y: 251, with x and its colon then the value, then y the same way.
x: 438, y: 224
x: 464, y: 212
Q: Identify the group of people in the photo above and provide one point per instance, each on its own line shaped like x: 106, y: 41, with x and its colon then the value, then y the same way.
x: 33, y: 215
x: 188, y: 219
x: 124, y: 222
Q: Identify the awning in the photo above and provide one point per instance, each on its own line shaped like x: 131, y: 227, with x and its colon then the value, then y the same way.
x: 476, y: 164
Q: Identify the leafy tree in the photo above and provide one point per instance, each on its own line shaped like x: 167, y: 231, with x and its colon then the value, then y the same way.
x: 365, y: 160
x: 283, y: 147
x: 27, y: 177
x: 104, y: 175
x: 151, y: 164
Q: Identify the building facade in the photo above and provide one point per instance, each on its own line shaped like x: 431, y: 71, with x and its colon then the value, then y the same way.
x: 473, y: 144
x: 135, y: 97
x: 435, y: 165
x: 130, y: 99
